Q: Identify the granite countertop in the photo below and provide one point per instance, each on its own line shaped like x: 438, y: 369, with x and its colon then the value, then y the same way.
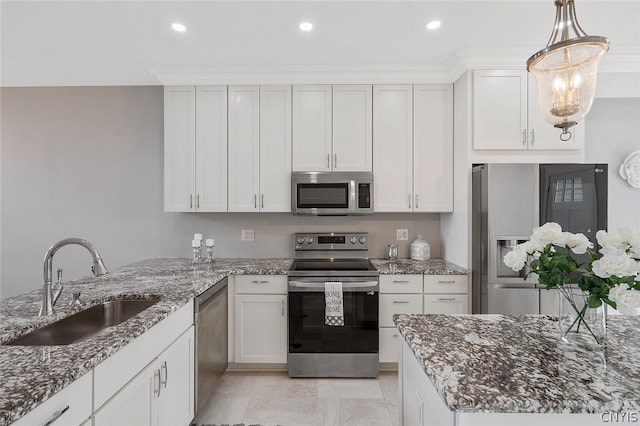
x: 408, y: 266
x: 517, y: 364
x: 30, y: 375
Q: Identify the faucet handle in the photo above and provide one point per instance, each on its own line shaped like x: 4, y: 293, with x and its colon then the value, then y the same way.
x: 59, y: 273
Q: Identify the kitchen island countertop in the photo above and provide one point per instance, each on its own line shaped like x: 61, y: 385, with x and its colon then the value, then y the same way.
x: 517, y: 364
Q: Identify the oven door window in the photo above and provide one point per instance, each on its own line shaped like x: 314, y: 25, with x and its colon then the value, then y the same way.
x: 309, y: 334
x: 323, y: 195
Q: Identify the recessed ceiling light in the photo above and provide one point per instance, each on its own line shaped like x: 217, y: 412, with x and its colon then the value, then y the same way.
x: 432, y: 25
x: 306, y: 26
x: 177, y: 26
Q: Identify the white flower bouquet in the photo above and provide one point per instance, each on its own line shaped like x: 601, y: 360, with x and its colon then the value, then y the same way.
x: 612, y: 276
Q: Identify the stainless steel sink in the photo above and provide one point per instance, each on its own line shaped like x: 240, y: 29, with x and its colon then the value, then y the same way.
x: 84, y: 323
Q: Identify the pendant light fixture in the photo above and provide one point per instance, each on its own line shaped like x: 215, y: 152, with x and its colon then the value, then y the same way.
x: 566, y: 70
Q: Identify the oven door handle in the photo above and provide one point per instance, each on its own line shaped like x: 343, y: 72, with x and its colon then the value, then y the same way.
x: 320, y: 285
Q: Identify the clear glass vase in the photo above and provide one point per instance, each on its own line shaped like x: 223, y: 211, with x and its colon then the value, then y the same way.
x: 580, y: 325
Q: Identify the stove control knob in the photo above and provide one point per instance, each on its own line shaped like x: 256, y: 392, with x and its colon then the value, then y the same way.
x: 308, y: 240
x: 300, y: 240
x: 353, y: 240
x: 363, y: 240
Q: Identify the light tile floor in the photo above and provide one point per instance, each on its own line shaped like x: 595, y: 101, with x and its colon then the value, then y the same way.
x: 270, y: 398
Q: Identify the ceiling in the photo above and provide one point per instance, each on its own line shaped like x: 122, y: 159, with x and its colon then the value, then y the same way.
x: 54, y: 43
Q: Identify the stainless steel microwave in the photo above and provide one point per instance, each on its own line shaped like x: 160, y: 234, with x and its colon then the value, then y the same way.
x: 332, y: 193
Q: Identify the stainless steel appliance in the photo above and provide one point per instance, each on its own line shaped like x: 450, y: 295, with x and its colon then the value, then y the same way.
x: 317, y: 349
x: 211, y: 316
x: 332, y: 193
x: 504, y: 213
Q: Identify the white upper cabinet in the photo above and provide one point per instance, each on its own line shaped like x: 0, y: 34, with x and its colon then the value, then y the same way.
x: 195, y: 148
x: 275, y: 148
x: 312, y: 128
x: 506, y: 115
x: 393, y: 148
x: 259, y: 148
x: 433, y: 148
x: 413, y: 148
x: 332, y: 129
x: 352, y: 128
x: 244, y: 148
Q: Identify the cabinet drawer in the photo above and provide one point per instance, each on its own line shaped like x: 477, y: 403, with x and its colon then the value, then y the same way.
x: 398, y: 304
x: 446, y: 304
x: 401, y: 283
x: 70, y: 406
x: 389, y: 350
x: 261, y: 284
x: 445, y: 284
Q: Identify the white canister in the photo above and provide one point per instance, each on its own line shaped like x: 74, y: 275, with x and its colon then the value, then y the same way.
x: 420, y: 249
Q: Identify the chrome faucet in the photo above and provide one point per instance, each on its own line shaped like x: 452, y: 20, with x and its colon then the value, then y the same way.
x: 49, y: 294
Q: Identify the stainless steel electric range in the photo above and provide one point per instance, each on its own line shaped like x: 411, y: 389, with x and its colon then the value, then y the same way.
x: 315, y: 348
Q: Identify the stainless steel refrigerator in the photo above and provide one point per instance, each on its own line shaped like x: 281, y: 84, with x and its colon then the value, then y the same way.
x: 508, y: 201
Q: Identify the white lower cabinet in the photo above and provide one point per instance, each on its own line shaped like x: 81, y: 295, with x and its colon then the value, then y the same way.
x: 446, y: 304
x: 70, y: 406
x: 161, y: 394
x: 260, y: 319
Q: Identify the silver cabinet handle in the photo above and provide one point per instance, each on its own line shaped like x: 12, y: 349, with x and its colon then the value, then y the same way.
x: 524, y: 137
x: 394, y: 335
x: 190, y: 201
x: 198, y: 201
x: 401, y: 281
x: 335, y: 160
x: 444, y: 299
x: 400, y: 301
x: 55, y: 416
x: 417, y: 200
x: 260, y: 282
x: 446, y: 282
x: 262, y: 201
x: 329, y: 161
x: 166, y: 374
x: 533, y: 136
x: 156, y: 375
x: 409, y: 199
x: 255, y: 201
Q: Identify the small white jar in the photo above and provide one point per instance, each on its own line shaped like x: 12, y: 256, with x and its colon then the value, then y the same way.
x: 420, y: 249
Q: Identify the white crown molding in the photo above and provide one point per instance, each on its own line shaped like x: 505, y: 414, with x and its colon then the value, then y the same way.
x: 617, y: 60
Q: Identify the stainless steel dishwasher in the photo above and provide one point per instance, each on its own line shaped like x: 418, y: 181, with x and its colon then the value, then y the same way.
x: 211, y: 319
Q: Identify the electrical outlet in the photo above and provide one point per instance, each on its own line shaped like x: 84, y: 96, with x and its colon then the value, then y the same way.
x: 402, y: 234
x: 247, y: 235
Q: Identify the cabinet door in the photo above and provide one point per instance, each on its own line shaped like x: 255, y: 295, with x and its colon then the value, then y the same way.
x: 352, y: 131
x: 446, y: 304
x: 312, y: 128
x: 275, y: 148
x: 261, y: 328
x: 392, y: 148
x: 134, y: 403
x: 176, y: 400
x: 179, y: 148
x: 499, y: 109
x: 389, y: 344
x: 543, y: 135
x: 433, y: 148
x: 211, y: 149
x: 244, y: 148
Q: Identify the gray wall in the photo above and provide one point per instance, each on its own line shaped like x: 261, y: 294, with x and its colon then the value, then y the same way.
x: 87, y: 162
x: 613, y: 132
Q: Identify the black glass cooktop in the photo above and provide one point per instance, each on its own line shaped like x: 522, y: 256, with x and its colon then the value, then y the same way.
x: 332, y: 265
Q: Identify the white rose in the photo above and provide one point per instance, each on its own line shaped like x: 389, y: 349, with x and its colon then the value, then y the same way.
x: 627, y: 300
x: 630, y: 169
x: 578, y: 243
x: 517, y: 257
x: 548, y: 233
x: 615, y: 263
x: 630, y: 236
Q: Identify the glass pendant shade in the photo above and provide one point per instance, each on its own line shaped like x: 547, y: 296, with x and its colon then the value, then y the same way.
x: 566, y: 70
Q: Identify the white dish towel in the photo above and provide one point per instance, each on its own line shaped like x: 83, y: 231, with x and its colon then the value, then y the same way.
x: 334, y: 311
